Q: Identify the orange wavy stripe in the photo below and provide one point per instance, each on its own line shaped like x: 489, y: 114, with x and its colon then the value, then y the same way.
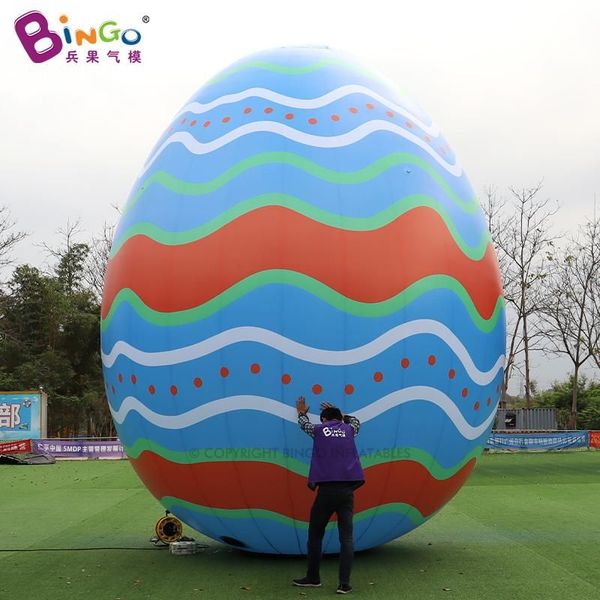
x: 366, y: 266
x: 260, y: 485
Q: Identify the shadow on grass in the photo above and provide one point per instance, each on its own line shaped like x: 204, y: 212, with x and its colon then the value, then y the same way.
x: 393, y: 553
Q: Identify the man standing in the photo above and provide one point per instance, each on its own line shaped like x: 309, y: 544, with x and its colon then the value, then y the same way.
x: 335, y: 469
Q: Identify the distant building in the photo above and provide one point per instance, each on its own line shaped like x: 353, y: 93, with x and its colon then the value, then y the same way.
x: 526, y: 419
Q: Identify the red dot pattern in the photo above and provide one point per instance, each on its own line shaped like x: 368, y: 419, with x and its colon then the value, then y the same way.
x: 312, y: 121
x: 286, y: 379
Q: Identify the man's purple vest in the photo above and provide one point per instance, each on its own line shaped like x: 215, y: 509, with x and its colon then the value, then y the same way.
x: 334, y: 456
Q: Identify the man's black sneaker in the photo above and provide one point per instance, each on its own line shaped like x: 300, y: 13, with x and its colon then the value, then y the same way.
x: 306, y: 582
x: 344, y: 588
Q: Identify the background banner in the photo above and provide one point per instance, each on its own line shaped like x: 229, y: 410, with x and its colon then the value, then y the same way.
x: 594, y: 439
x: 538, y: 441
x: 19, y: 447
x: 63, y: 448
x: 22, y: 415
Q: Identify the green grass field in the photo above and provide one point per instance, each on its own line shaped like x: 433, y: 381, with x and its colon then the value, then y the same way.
x: 524, y: 526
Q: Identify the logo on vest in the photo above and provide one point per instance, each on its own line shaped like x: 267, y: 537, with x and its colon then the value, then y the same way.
x: 328, y: 432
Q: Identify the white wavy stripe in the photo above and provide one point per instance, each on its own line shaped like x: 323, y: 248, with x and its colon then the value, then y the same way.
x: 198, y: 108
x: 308, y: 139
x: 288, y: 413
x: 307, y: 353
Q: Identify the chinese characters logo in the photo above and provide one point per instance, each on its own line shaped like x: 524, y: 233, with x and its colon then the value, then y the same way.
x: 42, y: 43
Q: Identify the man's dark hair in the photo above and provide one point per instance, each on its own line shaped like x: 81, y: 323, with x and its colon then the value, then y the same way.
x: 331, y: 413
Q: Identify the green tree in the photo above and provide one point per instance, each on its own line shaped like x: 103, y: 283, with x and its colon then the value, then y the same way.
x: 49, y: 338
x: 70, y: 256
x: 560, y: 396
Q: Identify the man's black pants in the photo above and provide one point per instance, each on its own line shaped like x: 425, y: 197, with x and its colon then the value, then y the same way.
x: 334, y: 497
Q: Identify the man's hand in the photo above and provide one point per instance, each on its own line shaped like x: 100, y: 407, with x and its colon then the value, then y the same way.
x: 301, y: 406
x: 325, y: 405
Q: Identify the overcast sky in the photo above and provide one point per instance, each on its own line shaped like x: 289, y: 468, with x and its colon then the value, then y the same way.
x: 514, y: 85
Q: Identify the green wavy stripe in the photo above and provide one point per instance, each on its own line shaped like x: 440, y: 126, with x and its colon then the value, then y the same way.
x: 312, y: 286
x: 367, y: 173
x: 290, y: 70
x: 422, y: 457
x: 171, y: 502
x: 381, y: 219
x: 268, y: 455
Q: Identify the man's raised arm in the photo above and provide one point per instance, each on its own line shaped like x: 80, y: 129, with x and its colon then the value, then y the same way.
x: 353, y: 422
x: 303, y: 419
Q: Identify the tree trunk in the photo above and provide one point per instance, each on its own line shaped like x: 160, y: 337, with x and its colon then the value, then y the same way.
x: 527, y: 370
x: 504, y: 390
x: 573, y: 419
x: 510, y: 361
x: 505, y: 381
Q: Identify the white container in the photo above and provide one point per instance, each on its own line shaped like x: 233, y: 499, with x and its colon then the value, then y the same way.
x: 183, y: 547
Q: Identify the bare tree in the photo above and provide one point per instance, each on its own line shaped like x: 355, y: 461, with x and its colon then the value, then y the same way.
x: 570, y: 311
x: 8, y: 238
x: 520, y: 232
x: 595, y: 304
x: 494, y: 207
x: 97, y: 260
x: 595, y: 317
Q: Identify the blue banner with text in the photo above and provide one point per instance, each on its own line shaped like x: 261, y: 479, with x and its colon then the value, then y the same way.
x: 538, y: 441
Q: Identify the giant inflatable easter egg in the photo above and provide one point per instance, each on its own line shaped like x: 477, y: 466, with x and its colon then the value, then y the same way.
x: 301, y: 228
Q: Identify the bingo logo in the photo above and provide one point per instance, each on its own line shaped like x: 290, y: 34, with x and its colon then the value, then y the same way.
x: 42, y: 44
